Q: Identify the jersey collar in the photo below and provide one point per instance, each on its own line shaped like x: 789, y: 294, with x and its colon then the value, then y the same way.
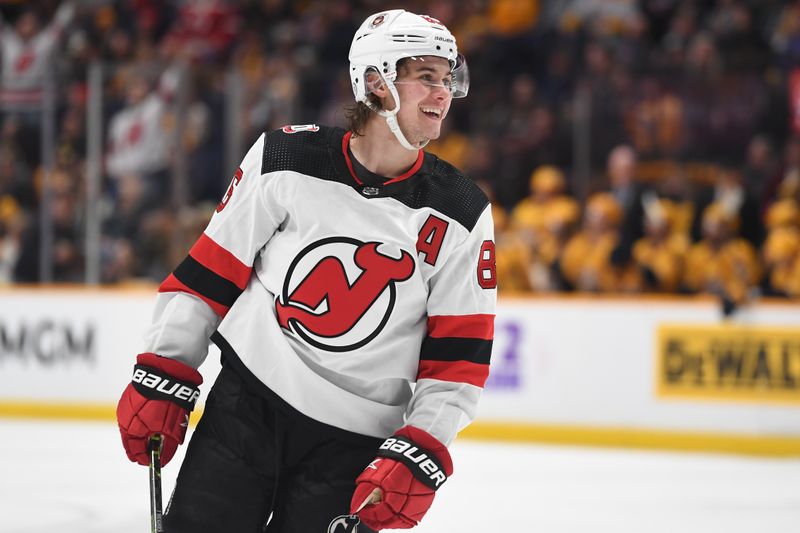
x: 407, y: 174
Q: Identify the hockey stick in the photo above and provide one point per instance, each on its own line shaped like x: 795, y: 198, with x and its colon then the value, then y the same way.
x: 154, y: 447
x: 374, y: 498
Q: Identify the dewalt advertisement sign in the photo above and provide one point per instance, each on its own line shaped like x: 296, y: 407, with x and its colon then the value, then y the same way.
x: 729, y: 362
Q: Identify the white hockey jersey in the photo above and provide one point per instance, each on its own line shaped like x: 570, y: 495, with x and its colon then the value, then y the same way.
x: 363, y: 307
x: 138, y: 141
x: 25, y: 63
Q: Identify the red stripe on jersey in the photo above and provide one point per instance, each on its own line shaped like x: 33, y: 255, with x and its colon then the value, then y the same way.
x: 345, y: 142
x: 411, y: 171
x: 172, y: 284
x: 456, y: 371
x: 463, y: 326
x: 220, y: 261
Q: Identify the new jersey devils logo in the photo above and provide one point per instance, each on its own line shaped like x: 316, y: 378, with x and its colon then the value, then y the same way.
x: 339, y: 292
x: 344, y: 524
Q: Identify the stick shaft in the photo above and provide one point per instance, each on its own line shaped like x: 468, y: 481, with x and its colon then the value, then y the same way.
x: 156, y: 525
x: 374, y: 498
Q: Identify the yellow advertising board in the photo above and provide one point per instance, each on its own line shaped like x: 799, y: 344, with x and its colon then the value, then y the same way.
x: 728, y: 362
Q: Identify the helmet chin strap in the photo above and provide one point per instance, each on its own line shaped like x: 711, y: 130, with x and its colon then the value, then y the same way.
x: 394, y: 126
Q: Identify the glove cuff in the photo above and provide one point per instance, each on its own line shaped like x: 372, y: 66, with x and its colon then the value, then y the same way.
x: 426, y: 458
x: 161, y: 378
x: 170, y: 366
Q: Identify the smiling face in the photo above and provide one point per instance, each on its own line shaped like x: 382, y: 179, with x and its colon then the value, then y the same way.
x: 423, y: 87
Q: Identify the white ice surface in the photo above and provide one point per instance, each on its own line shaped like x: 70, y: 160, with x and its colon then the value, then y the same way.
x: 68, y: 477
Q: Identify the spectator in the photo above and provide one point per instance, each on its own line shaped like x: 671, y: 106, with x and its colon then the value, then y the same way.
x: 600, y: 86
x: 130, y: 205
x: 781, y: 255
x: 657, y: 120
x: 512, y: 17
x: 26, y: 51
x: 586, y: 264
x: 544, y: 221
x: 732, y: 23
x: 788, y: 175
x: 790, y: 186
x: 784, y: 213
x: 626, y: 190
x: 660, y: 255
x: 730, y: 191
x: 601, y: 16
x: 677, y: 191
x: 785, y: 39
x: 722, y: 263
x: 671, y: 51
x: 561, y: 217
x: 203, y: 31
x: 71, y: 142
x: 547, y: 188
x: 68, y: 265
x: 15, y: 178
x: 781, y: 250
x: 760, y: 167
x: 139, y: 137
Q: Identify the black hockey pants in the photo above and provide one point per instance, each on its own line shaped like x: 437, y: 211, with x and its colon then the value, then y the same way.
x: 252, y: 456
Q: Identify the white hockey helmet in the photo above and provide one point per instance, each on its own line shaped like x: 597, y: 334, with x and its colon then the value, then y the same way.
x: 385, y: 38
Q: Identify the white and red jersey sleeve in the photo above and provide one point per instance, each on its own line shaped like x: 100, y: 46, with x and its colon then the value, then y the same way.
x: 454, y: 358
x: 198, y: 294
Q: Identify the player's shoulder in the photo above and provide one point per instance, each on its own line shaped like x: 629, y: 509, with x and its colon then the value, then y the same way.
x: 303, y: 148
x: 449, y: 191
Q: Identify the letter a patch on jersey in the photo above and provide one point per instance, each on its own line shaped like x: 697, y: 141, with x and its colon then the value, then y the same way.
x: 339, y: 292
x: 430, y: 238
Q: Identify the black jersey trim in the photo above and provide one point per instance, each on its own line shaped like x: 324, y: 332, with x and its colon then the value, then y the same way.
x: 230, y: 358
x: 310, y: 153
x: 445, y: 190
x: 437, y: 185
x: 456, y: 349
x: 206, y: 282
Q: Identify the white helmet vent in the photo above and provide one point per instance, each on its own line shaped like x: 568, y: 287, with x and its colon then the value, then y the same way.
x: 407, y: 38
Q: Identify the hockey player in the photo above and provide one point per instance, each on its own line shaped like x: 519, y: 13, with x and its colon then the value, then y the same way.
x: 348, y: 278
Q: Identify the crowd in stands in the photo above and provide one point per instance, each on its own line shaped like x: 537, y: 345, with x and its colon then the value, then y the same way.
x: 628, y: 145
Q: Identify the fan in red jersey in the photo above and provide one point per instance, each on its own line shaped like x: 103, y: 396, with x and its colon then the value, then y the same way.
x: 26, y: 57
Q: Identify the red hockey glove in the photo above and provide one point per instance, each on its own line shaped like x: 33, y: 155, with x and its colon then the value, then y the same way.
x: 158, y: 400
x: 410, y: 466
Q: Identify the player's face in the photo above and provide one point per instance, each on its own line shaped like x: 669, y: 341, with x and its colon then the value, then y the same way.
x: 423, y: 85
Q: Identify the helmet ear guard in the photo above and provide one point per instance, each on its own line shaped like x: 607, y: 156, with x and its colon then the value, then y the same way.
x: 375, y: 83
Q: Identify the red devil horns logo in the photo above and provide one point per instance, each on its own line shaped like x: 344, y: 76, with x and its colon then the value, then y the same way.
x: 325, y: 306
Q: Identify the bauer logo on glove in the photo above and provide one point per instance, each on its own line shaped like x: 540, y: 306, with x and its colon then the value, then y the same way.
x: 163, y: 387
x: 422, y: 465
